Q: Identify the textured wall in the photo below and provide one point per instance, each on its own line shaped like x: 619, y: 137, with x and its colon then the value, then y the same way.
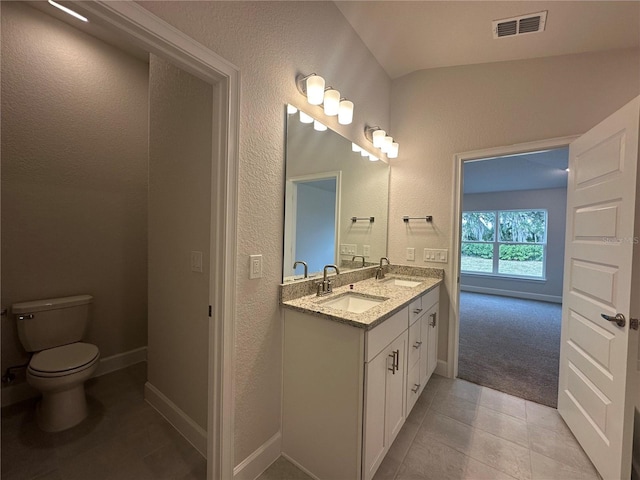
x: 438, y: 113
x: 74, y: 177
x: 271, y: 42
x: 180, y: 126
x: 554, y: 200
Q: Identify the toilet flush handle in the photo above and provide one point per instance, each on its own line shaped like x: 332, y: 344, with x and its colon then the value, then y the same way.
x: 27, y: 316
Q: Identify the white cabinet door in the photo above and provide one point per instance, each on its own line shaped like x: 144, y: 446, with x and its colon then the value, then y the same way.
x: 375, y: 446
x: 432, y: 346
x: 384, y: 402
x: 395, y: 391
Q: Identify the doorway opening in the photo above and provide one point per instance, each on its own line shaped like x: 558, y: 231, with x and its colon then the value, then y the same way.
x: 133, y: 24
x: 510, y: 214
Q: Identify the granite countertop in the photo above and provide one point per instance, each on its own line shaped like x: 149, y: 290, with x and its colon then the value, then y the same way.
x: 397, y: 298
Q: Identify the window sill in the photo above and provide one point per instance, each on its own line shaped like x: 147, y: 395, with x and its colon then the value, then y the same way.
x: 496, y: 276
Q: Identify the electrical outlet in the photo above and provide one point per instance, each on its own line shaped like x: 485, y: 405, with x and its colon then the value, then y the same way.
x: 196, y: 262
x: 348, y: 249
x: 255, y: 266
x: 411, y: 254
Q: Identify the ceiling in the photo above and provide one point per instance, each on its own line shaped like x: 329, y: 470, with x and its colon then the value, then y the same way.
x: 531, y: 171
x: 406, y: 36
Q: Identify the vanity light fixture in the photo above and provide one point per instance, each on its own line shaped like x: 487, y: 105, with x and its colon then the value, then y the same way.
x: 304, y: 118
x: 320, y: 127
x: 68, y: 10
x: 345, y: 112
x: 382, y: 140
x: 355, y: 148
x: 312, y: 86
x: 291, y: 110
x: 364, y: 153
x: 373, y: 158
x: 331, y: 102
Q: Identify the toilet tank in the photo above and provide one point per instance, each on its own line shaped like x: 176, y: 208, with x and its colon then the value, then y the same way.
x: 52, y: 322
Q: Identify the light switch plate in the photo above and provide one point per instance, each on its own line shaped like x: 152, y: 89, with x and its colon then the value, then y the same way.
x: 255, y: 266
x: 411, y: 254
x: 366, y: 250
x: 196, y: 262
x: 436, y: 255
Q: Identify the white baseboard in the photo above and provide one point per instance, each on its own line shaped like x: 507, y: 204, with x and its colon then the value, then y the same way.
x: 23, y: 391
x: 441, y: 368
x: 120, y: 361
x: 512, y: 293
x: 291, y: 460
x: 189, y: 429
x: 256, y: 463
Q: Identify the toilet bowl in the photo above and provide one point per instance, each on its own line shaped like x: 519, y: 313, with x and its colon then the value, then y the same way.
x: 59, y: 373
x: 61, y: 363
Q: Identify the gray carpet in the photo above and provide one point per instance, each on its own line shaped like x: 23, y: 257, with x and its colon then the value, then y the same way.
x: 511, y: 345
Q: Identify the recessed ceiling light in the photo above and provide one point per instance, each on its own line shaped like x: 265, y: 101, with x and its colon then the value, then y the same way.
x: 68, y: 10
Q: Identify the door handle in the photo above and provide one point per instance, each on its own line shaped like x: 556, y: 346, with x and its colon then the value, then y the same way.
x: 618, y: 319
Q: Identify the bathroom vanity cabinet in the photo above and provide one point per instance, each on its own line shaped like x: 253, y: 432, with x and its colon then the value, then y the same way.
x: 348, y: 390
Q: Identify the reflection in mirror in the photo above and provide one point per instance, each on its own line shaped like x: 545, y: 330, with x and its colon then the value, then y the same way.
x: 327, y: 184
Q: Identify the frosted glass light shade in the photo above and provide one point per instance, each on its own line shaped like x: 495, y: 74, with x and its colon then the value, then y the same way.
x: 386, y: 144
x: 345, y: 112
x: 364, y: 153
x: 355, y: 148
x: 304, y: 118
x: 378, y: 138
x: 315, y: 90
x: 320, y: 127
x: 373, y: 158
x: 393, y: 151
x: 291, y: 109
x: 331, y: 102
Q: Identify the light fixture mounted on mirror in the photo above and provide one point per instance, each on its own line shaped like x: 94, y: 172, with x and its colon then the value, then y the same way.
x: 382, y: 140
x: 312, y: 86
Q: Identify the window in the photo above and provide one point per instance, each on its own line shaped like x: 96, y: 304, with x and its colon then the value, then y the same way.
x: 505, y: 242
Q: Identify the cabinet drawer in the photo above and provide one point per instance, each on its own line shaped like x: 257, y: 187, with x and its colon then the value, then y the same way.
x: 413, y: 387
x: 430, y: 298
x: 415, y: 343
x: 382, y: 335
x: 415, y: 310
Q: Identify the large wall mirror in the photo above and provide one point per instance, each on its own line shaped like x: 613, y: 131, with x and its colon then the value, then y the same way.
x: 336, y: 202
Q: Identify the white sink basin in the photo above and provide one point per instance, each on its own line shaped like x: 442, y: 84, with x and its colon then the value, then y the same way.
x: 353, y: 302
x: 399, y: 282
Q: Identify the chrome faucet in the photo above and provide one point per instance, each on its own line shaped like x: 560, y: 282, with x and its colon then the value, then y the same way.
x: 325, y: 287
x: 304, y: 264
x: 358, y: 256
x: 379, y: 270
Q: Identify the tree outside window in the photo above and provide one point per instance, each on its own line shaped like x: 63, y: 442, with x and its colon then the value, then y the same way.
x: 505, y: 242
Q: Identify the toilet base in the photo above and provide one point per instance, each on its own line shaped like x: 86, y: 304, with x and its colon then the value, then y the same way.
x: 61, y: 410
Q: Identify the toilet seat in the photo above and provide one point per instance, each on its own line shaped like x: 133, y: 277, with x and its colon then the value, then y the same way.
x: 64, y: 360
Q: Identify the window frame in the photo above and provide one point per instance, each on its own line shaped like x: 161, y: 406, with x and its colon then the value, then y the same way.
x: 496, y: 242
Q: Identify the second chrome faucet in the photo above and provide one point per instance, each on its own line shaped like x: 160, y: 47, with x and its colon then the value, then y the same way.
x: 325, y: 287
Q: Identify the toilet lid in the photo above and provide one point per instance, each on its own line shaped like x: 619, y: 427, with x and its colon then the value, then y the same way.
x: 66, y: 357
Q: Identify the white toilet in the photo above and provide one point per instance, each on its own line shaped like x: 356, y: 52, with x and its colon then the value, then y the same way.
x: 53, y: 329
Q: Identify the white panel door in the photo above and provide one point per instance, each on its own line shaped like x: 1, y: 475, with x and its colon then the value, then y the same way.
x: 597, y: 356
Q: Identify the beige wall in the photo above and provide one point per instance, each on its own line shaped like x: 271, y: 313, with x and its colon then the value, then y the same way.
x: 438, y: 113
x: 74, y: 177
x: 180, y: 138
x: 271, y: 42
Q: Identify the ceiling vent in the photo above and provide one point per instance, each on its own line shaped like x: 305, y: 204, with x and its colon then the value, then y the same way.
x: 511, y: 27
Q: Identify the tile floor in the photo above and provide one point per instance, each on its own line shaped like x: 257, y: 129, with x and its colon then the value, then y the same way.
x: 459, y: 430
x: 123, y: 438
